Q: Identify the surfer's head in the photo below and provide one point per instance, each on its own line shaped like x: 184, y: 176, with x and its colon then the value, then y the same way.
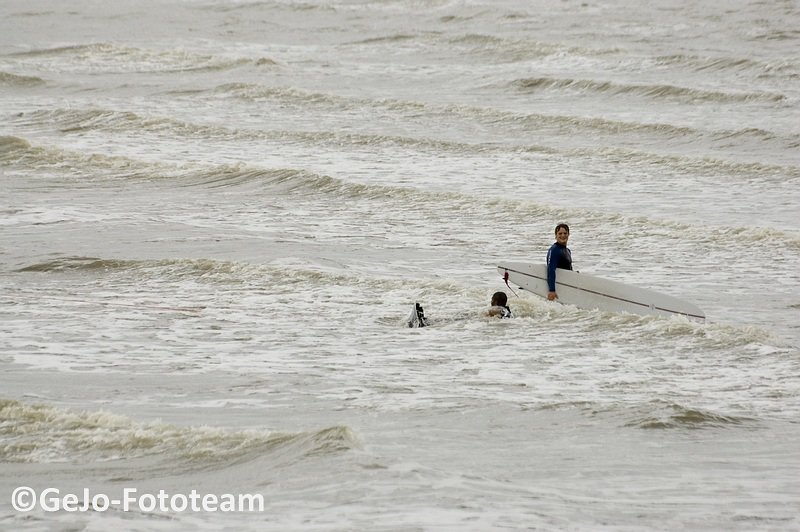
x: 562, y: 234
x: 499, y: 299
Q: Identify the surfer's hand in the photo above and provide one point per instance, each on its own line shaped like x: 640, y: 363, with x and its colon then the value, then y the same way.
x: 552, y: 296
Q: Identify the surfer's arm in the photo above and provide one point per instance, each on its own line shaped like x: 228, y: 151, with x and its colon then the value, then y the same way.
x: 553, y: 256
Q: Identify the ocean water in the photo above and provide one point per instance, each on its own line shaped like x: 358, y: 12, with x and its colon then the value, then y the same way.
x: 215, y: 216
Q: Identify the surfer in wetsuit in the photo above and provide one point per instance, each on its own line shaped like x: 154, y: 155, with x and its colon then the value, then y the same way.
x: 558, y: 256
x: 499, y: 308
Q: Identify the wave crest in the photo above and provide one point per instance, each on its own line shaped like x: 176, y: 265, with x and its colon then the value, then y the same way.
x: 116, y: 58
x: 660, y: 91
x: 17, y: 80
x: 43, y: 434
x: 674, y: 416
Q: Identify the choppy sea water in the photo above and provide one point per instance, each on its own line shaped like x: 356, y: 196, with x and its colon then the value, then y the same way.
x: 216, y: 216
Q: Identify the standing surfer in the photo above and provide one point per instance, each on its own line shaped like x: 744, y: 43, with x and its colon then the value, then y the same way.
x: 558, y: 256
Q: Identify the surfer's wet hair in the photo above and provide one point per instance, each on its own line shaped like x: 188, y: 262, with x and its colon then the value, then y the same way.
x: 564, y: 226
x: 499, y: 299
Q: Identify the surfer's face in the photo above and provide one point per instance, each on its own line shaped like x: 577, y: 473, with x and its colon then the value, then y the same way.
x: 562, y: 235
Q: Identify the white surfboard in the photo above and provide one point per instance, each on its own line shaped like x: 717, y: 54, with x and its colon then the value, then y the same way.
x: 590, y: 292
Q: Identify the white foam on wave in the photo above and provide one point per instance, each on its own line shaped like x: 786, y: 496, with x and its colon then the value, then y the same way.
x: 45, y: 434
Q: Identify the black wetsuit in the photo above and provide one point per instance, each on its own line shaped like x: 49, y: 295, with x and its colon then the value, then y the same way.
x: 558, y: 256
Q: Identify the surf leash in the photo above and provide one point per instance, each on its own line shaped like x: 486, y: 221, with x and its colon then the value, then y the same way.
x: 505, y: 278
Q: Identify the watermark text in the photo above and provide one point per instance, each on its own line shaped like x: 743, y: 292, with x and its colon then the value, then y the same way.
x: 25, y: 499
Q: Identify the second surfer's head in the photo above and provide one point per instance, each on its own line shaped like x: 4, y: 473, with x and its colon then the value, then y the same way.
x: 499, y: 299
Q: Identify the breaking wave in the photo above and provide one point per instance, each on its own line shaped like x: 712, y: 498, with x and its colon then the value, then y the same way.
x: 650, y: 91
x: 77, y: 121
x: 528, y: 121
x: 43, y: 434
x: 115, y: 58
x: 301, y: 182
x: 17, y: 80
x: 674, y: 416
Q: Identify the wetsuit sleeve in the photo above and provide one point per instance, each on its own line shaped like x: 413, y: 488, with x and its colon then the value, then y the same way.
x: 553, y: 256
